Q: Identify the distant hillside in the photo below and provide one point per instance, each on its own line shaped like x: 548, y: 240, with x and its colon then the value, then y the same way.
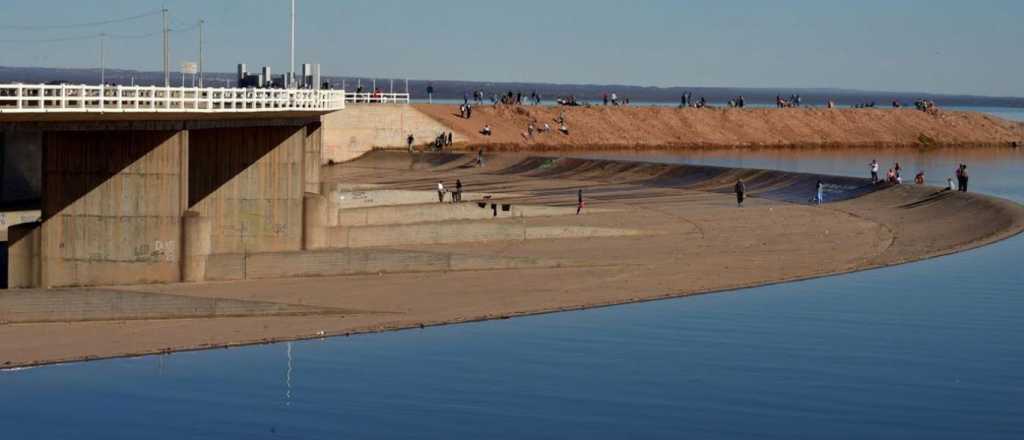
x: 444, y: 89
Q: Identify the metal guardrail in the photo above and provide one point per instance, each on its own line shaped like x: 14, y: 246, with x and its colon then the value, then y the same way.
x: 377, y: 98
x: 65, y: 98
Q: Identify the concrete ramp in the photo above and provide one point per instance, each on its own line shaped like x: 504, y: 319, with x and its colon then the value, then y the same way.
x: 770, y: 184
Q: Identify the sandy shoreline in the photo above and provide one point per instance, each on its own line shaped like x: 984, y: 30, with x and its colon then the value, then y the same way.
x: 699, y: 242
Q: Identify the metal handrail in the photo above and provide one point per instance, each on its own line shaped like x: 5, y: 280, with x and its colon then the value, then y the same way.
x: 377, y: 98
x: 66, y: 98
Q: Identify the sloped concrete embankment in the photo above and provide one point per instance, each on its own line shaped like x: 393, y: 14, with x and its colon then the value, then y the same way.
x: 359, y: 128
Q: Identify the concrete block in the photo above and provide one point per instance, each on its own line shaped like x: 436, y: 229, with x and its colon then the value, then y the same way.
x: 313, y: 221
x: 23, y: 256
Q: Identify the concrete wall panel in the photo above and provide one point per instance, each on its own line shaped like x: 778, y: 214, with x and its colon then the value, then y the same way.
x: 110, y: 207
x: 249, y: 182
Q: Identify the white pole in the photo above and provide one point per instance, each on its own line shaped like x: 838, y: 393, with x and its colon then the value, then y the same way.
x: 407, y: 86
x: 291, y: 40
x: 167, y: 67
x: 392, y: 87
x: 200, y: 53
x: 103, y: 70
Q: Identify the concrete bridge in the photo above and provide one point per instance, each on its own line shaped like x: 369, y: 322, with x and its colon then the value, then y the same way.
x: 142, y: 184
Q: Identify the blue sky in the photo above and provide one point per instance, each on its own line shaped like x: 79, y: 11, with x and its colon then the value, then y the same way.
x: 937, y: 46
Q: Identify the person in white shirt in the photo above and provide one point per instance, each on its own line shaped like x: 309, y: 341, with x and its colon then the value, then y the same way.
x: 440, y: 192
x: 874, y: 171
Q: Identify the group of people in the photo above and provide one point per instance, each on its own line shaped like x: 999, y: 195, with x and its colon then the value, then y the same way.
x: 737, y: 102
x: 741, y: 192
x: 517, y: 98
x: 894, y: 177
x: 614, y: 99
x: 466, y: 111
x: 926, y: 105
x: 687, y: 101
x: 456, y: 193
x: 793, y: 101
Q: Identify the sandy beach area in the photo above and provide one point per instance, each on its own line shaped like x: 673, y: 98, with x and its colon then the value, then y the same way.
x: 647, y: 231
x: 607, y: 127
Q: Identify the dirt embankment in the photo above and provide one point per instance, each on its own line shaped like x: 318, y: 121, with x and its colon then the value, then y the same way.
x: 664, y: 128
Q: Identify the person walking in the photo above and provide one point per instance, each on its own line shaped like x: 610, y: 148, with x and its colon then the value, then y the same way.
x: 874, y: 171
x: 741, y: 190
x: 440, y: 192
x: 409, y: 140
x: 458, y: 191
x: 480, y: 157
x: 819, y: 197
x: 579, y: 201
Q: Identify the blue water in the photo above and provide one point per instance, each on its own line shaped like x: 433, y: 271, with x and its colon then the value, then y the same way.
x: 931, y: 350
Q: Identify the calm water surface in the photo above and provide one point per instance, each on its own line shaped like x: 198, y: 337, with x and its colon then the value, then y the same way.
x: 927, y: 350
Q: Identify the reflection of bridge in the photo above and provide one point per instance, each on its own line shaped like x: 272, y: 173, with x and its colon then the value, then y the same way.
x: 141, y: 184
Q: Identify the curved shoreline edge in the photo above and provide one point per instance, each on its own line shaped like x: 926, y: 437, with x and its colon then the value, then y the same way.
x: 905, y: 210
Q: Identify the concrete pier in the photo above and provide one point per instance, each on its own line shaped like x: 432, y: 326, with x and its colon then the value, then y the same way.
x: 148, y: 201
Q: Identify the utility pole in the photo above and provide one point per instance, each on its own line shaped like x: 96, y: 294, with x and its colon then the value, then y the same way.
x: 103, y: 64
x: 201, y: 22
x: 167, y: 60
x: 291, y: 41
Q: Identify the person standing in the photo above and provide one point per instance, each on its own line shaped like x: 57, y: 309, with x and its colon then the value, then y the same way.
x: 819, y: 197
x: 874, y: 171
x: 579, y: 201
x: 963, y: 175
x: 409, y: 140
x: 440, y: 192
x: 450, y: 137
x: 458, y: 191
x: 741, y: 190
x: 959, y: 173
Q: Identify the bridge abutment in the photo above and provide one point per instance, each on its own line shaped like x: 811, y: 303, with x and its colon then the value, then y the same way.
x: 151, y: 204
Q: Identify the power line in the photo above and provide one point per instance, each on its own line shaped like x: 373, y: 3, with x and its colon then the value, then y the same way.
x: 98, y: 35
x: 19, y: 27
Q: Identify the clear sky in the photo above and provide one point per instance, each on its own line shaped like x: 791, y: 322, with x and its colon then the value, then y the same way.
x: 940, y: 46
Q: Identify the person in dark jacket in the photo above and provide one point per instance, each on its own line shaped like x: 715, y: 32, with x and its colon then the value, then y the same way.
x: 741, y: 191
x: 579, y: 201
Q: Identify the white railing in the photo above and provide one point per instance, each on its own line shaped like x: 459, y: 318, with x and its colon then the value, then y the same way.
x: 32, y: 98
x: 377, y: 98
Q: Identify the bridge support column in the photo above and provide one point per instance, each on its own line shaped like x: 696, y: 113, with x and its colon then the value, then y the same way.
x: 23, y: 256
x: 111, y: 206
x: 195, y: 246
x: 314, y: 233
x: 314, y: 145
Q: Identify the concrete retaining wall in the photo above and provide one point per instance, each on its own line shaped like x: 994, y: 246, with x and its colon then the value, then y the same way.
x: 358, y: 128
x: 333, y: 262
x: 459, y: 232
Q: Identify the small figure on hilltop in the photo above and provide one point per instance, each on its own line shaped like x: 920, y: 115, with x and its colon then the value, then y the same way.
x: 874, y: 171
x: 579, y: 201
x: 440, y: 192
x: 741, y: 190
x: 819, y: 196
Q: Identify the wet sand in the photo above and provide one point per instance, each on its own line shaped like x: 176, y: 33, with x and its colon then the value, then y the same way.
x: 695, y: 241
